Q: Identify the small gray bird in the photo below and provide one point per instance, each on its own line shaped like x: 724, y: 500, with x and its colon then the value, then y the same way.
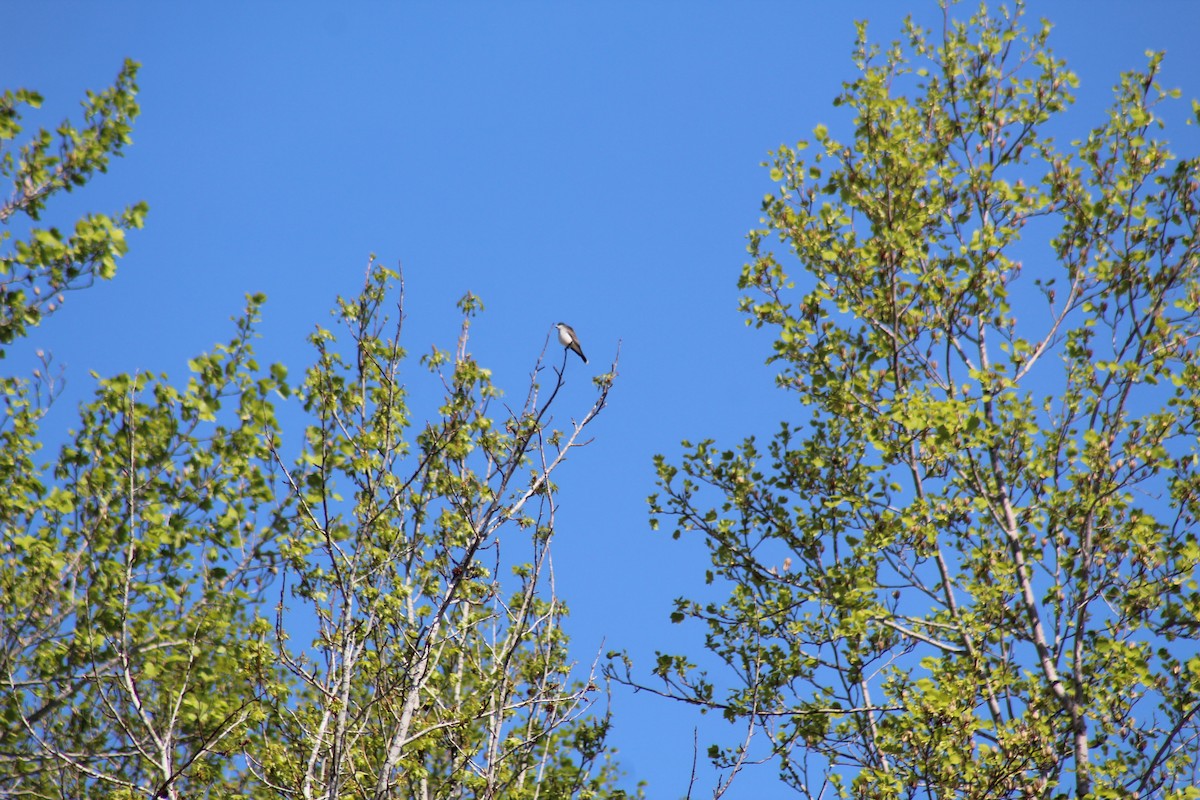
x: 568, y: 339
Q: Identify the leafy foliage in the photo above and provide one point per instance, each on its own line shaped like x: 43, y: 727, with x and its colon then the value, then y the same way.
x: 971, y: 571
x: 184, y: 613
x: 431, y: 671
x: 127, y: 582
x: 45, y: 263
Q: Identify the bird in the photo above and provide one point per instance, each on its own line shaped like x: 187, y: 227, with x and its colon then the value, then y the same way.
x: 568, y: 339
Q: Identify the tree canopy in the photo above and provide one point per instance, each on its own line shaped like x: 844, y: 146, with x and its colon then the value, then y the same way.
x: 198, y: 600
x: 969, y: 568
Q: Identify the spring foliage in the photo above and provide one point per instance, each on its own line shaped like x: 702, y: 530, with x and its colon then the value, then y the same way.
x: 970, y: 569
x: 197, y: 599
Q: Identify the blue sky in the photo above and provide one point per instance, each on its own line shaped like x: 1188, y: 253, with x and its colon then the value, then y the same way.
x: 592, y: 163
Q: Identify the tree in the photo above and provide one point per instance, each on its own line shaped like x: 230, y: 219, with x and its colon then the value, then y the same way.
x: 970, y: 570
x: 45, y: 264
x: 431, y: 673
x: 183, y: 612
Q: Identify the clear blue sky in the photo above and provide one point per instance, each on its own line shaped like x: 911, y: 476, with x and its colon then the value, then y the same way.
x: 592, y: 163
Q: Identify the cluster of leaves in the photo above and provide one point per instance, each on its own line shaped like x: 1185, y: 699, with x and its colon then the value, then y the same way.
x: 431, y: 672
x: 45, y: 263
x: 972, y: 570
x: 127, y: 579
x: 182, y: 613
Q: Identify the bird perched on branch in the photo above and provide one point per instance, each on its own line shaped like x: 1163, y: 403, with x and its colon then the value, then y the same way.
x: 568, y: 339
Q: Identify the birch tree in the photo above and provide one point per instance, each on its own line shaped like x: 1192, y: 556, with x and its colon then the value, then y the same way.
x: 968, y: 567
x: 242, y: 585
